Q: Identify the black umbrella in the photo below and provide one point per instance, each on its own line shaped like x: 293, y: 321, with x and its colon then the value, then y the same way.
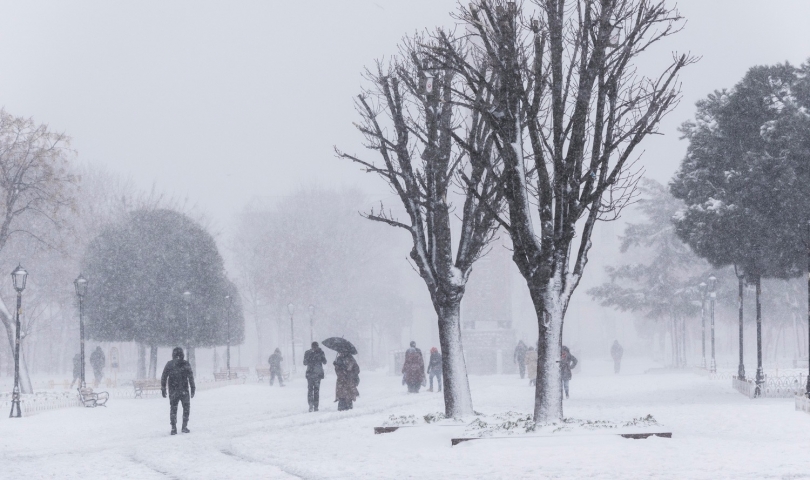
x: 340, y: 345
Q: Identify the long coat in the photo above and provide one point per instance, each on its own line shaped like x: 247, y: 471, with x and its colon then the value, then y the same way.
x: 314, y: 359
x: 435, y: 364
x: 567, y: 363
x: 414, y: 367
x: 348, y: 377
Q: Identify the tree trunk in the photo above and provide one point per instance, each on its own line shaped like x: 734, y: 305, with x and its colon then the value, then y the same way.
x: 457, y: 397
x: 141, y: 361
x: 153, y: 351
x: 548, y: 386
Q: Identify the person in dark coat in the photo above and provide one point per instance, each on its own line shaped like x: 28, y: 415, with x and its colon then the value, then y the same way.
x: 520, y: 357
x: 616, y: 351
x: 97, y: 361
x: 435, y: 368
x: 314, y: 359
x: 275, y: 367
x: 348, y: 378
x: 179, y: 377
x: 77, y: 370
x: 567, y: 363
x: 414, y: 369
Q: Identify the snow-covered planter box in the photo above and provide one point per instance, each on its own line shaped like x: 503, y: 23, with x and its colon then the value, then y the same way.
x: 802, y: 403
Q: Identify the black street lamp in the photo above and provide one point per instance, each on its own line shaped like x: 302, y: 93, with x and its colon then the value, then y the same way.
x: 187, y: 299
x: 18, y: 276
x: 712, y: 299
x: 741, y: 366
x: 702, y: 286
x: 81, y: 288
x: 311, y: 316
x: 291, y: 309
x: 228, y: 347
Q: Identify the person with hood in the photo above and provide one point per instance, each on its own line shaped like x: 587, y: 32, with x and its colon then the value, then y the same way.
x: 275, y: 367
x: 520, y: 358
x: 531, y: 365
x: 435, y: 368
x: 314, y: 359
x: 567, y: 363
x: 77, y: 370
x: 414, y: 369
x: 616, y: 351
x: 179, y: 377
x: 348, y: 378
x: 97, y: 361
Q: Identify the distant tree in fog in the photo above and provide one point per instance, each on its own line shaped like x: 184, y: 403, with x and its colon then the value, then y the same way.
x: 138, y: 271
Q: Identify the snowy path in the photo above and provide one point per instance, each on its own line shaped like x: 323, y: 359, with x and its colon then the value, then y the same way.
x: 254, y: 431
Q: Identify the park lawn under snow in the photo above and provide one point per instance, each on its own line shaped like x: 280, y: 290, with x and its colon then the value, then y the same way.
x: 255, y: 431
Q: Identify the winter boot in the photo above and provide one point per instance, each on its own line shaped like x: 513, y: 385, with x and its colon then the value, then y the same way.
x: 185, y: 428
x: 174, y: 429
x: 430, y: 389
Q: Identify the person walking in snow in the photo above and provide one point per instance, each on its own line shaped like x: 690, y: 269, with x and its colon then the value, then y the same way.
x: 314, y: 359
x: 531, y: 365
x: 179, y: 378
x: 434, y: 369
x: 616, y: 351
x: 275, y: 367
x: 77, y: 370
x: 520, y: 357
x: 567, y: 363
x: 348, y: 378
x: 97, y: 361
x: 414, y: 369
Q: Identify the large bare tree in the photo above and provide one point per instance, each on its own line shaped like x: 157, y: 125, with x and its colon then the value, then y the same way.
x: 555, y: 82
x: 425, y: 145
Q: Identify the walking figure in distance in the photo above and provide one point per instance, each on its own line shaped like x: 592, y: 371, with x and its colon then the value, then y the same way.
x: 179, y: 377
x: 414, y: 368
x: 616, y: 351
x: 314, y: 359
x: 567, y: 363
x: 531, y: 365
x: 77, y: 370
x: 435, y: 368
x: 275, y: 367
x: 97, y: 361
x: 348, y: 378
x: 520, y: 357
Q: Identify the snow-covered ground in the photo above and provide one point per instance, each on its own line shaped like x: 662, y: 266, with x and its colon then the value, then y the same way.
x: 255, y: 431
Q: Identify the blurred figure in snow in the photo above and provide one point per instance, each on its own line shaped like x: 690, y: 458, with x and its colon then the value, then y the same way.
x: 77, y: 369
x: 314, y: 359
x: 567, y: 363
x: 616, y: 351
x: 97, y: 360
x: 178, y: 375
x: 275, y: 367
x: 414, y: 368
x: 435, y: 368
x: 520, y: 357
x: 531, y: 365
x: 348, y: 378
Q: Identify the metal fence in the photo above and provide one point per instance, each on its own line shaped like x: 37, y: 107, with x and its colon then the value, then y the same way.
x: 786, y: 386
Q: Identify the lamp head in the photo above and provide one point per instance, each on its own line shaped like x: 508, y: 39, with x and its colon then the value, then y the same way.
x: 291, y: 308
x: 19, y: 276
x: 81, y: 285
x: 187, y: 297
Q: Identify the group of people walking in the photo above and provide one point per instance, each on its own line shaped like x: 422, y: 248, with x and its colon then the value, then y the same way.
x: 413, y: 369
x: 97, y: 361
x: 526, y: 359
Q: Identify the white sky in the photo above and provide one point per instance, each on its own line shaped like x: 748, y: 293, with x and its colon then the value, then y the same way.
x: 221, y: 102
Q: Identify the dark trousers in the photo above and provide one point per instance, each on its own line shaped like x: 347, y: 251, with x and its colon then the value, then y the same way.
x: 313, y: 392
x: 276, y: 374
x: 522, y: 368
x: 438, y: 376
x: 344, y: 404
x: 173, y: 400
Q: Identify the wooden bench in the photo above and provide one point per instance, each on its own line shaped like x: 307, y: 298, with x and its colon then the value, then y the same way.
x: 219, y: 376
x: 243, y: 372
x: 89, y: 398
x: 145, y: 385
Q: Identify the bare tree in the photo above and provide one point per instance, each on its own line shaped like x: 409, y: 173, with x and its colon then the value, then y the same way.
x: 555, y: 82
x: 37, y: 186
x: 425, y: 142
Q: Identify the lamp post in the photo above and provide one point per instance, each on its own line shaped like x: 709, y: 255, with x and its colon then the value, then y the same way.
x: 311, y: 316
x: 807, y: 388
x: 228, y: 348
x: 18, y: 276
x: 741, y: 366
x: 291, y: 309
x: 702, y: 287
x: 712, y: 299
x: 81, y: 288
x: 187, y: 299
